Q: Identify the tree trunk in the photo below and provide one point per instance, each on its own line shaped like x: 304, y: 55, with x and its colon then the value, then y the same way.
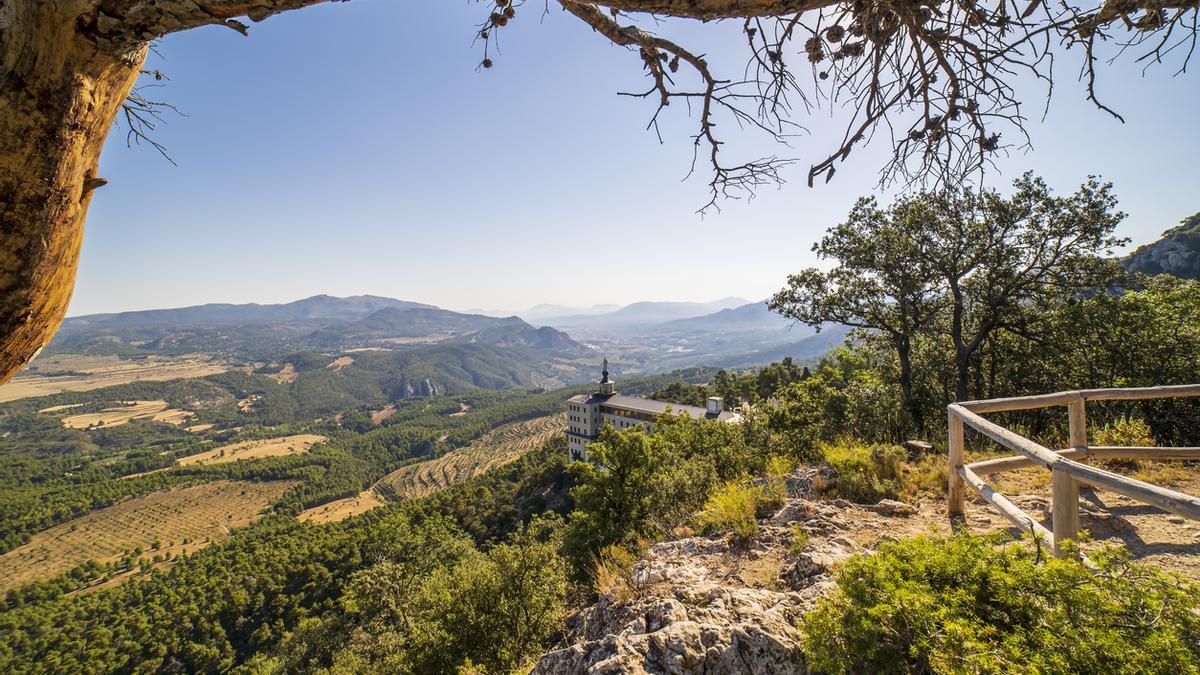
x: 59, y: 94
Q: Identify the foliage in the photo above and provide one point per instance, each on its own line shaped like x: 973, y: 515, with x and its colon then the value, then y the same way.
x: 967, y: 605
x: 732, y: 508
x: 1125, y: 431
x: 454, y: 607
x: 963, y: 269
x: 642, y: 485
x: 799, y: 540
x: 865, y: 473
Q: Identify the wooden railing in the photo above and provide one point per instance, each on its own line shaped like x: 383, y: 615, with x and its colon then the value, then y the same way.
x: 1066, y: 473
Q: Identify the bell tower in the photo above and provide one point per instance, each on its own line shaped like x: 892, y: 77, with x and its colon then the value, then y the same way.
x: 607, y: 386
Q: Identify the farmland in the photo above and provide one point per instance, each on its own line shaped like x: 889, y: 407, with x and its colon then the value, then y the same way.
x: 178, y: 520
x: 495, y: 448
x: 256, y: 449
x: 342, y: 509
x: 75, y: 372
x: 126, y: 411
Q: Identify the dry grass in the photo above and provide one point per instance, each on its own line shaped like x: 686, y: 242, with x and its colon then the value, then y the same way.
x: 463, y: 409
x: 285, y: 375
x: 257, y: 449
x: 378, y: 416
x: 198, y: 428
x: 101, y: 371
x: 199, y: 515
x: 126, y: 411
x: 340, y: 362
x: 495, y: 448
x: 342, y: 509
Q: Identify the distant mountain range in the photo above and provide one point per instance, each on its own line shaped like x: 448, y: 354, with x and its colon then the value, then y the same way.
x: 641, y: 314
x: 644, y: 337
x: 1176, y: 253
x: 322, y: 323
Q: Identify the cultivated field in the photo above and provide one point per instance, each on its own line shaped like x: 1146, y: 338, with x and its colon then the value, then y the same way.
x: 342, y: 509
x: 83, y: 373
x: 257, y: 449
x: 285, y: 374
x: 130, y: 410
x: 198, y: 515
x: 378, y: 416
x: 495, y: 448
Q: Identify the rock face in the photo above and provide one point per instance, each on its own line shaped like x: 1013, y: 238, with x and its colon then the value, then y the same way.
x: 1177, y: 253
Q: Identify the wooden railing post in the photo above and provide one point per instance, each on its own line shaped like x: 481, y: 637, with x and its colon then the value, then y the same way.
x: 1064, y: 505
x: 956, y: 492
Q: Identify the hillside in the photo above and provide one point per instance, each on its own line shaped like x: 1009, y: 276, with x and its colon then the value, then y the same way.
x: 1176, y: 253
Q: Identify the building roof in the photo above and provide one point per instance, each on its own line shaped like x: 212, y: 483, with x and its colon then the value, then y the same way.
x: 650, y: 406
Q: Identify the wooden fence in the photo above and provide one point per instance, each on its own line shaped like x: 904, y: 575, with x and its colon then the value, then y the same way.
x: 1066, y: 473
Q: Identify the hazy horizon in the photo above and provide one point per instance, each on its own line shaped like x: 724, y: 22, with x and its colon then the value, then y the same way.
x: 357, y: 148
x: 492, y: 311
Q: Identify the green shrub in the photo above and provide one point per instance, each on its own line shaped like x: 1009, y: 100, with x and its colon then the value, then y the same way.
x: 799, y: 539
x: 864, y: 473
x: 732, y: 508
x: 774, y: 488
x: 1125, y: 431
x: 966, y: 604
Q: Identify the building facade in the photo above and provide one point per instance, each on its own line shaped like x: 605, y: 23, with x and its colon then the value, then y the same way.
x: 588, y: 413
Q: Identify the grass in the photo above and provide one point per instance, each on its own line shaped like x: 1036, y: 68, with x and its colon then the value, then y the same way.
x: 180, y: 520
x: 732, y: 508
x: 864, y: 473
x: 497, y: 447
x: 341, y: 509
x: 256, y: 449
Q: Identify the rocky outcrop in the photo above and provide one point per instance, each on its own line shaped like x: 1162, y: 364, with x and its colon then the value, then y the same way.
x: 704, y: 605
x: 1177, y: 253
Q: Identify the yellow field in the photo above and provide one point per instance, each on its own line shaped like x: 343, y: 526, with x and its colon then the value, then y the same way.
x: 340, y: 362
x: 257, y: 449
x: 101, y: 371
x: 342, y: 509
x: 378, y: 416
x: 130, y: 410
x: 201, y: 514
x: 285, y: 375
x: 495, y: 448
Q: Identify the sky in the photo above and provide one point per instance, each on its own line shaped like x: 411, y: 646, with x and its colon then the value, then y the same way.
x: 357, y: 148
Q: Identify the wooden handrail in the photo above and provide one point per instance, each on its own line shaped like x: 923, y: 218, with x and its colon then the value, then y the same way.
x: 1065, y: 471
x: 989, y: 466
x: 1065, y: 397
x: 1006, y: 508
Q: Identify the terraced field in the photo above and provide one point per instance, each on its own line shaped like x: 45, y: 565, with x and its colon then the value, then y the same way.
x: 495, y: 448
x: 124, y: 412
x: 198, y: 515
x: 266, y: 447
x: 72, y: 372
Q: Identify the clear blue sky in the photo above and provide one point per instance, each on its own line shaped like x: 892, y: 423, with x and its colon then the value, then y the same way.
x: 355, y: 148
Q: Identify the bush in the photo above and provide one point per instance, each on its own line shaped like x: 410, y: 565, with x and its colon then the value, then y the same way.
x: 732, y: 508
x: 864, y: 474
x: 966, y: 604
x: 774, y: 487
x: 1125, y: 431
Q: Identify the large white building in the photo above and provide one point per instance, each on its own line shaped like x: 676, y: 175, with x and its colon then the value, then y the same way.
x: 588, y: 413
